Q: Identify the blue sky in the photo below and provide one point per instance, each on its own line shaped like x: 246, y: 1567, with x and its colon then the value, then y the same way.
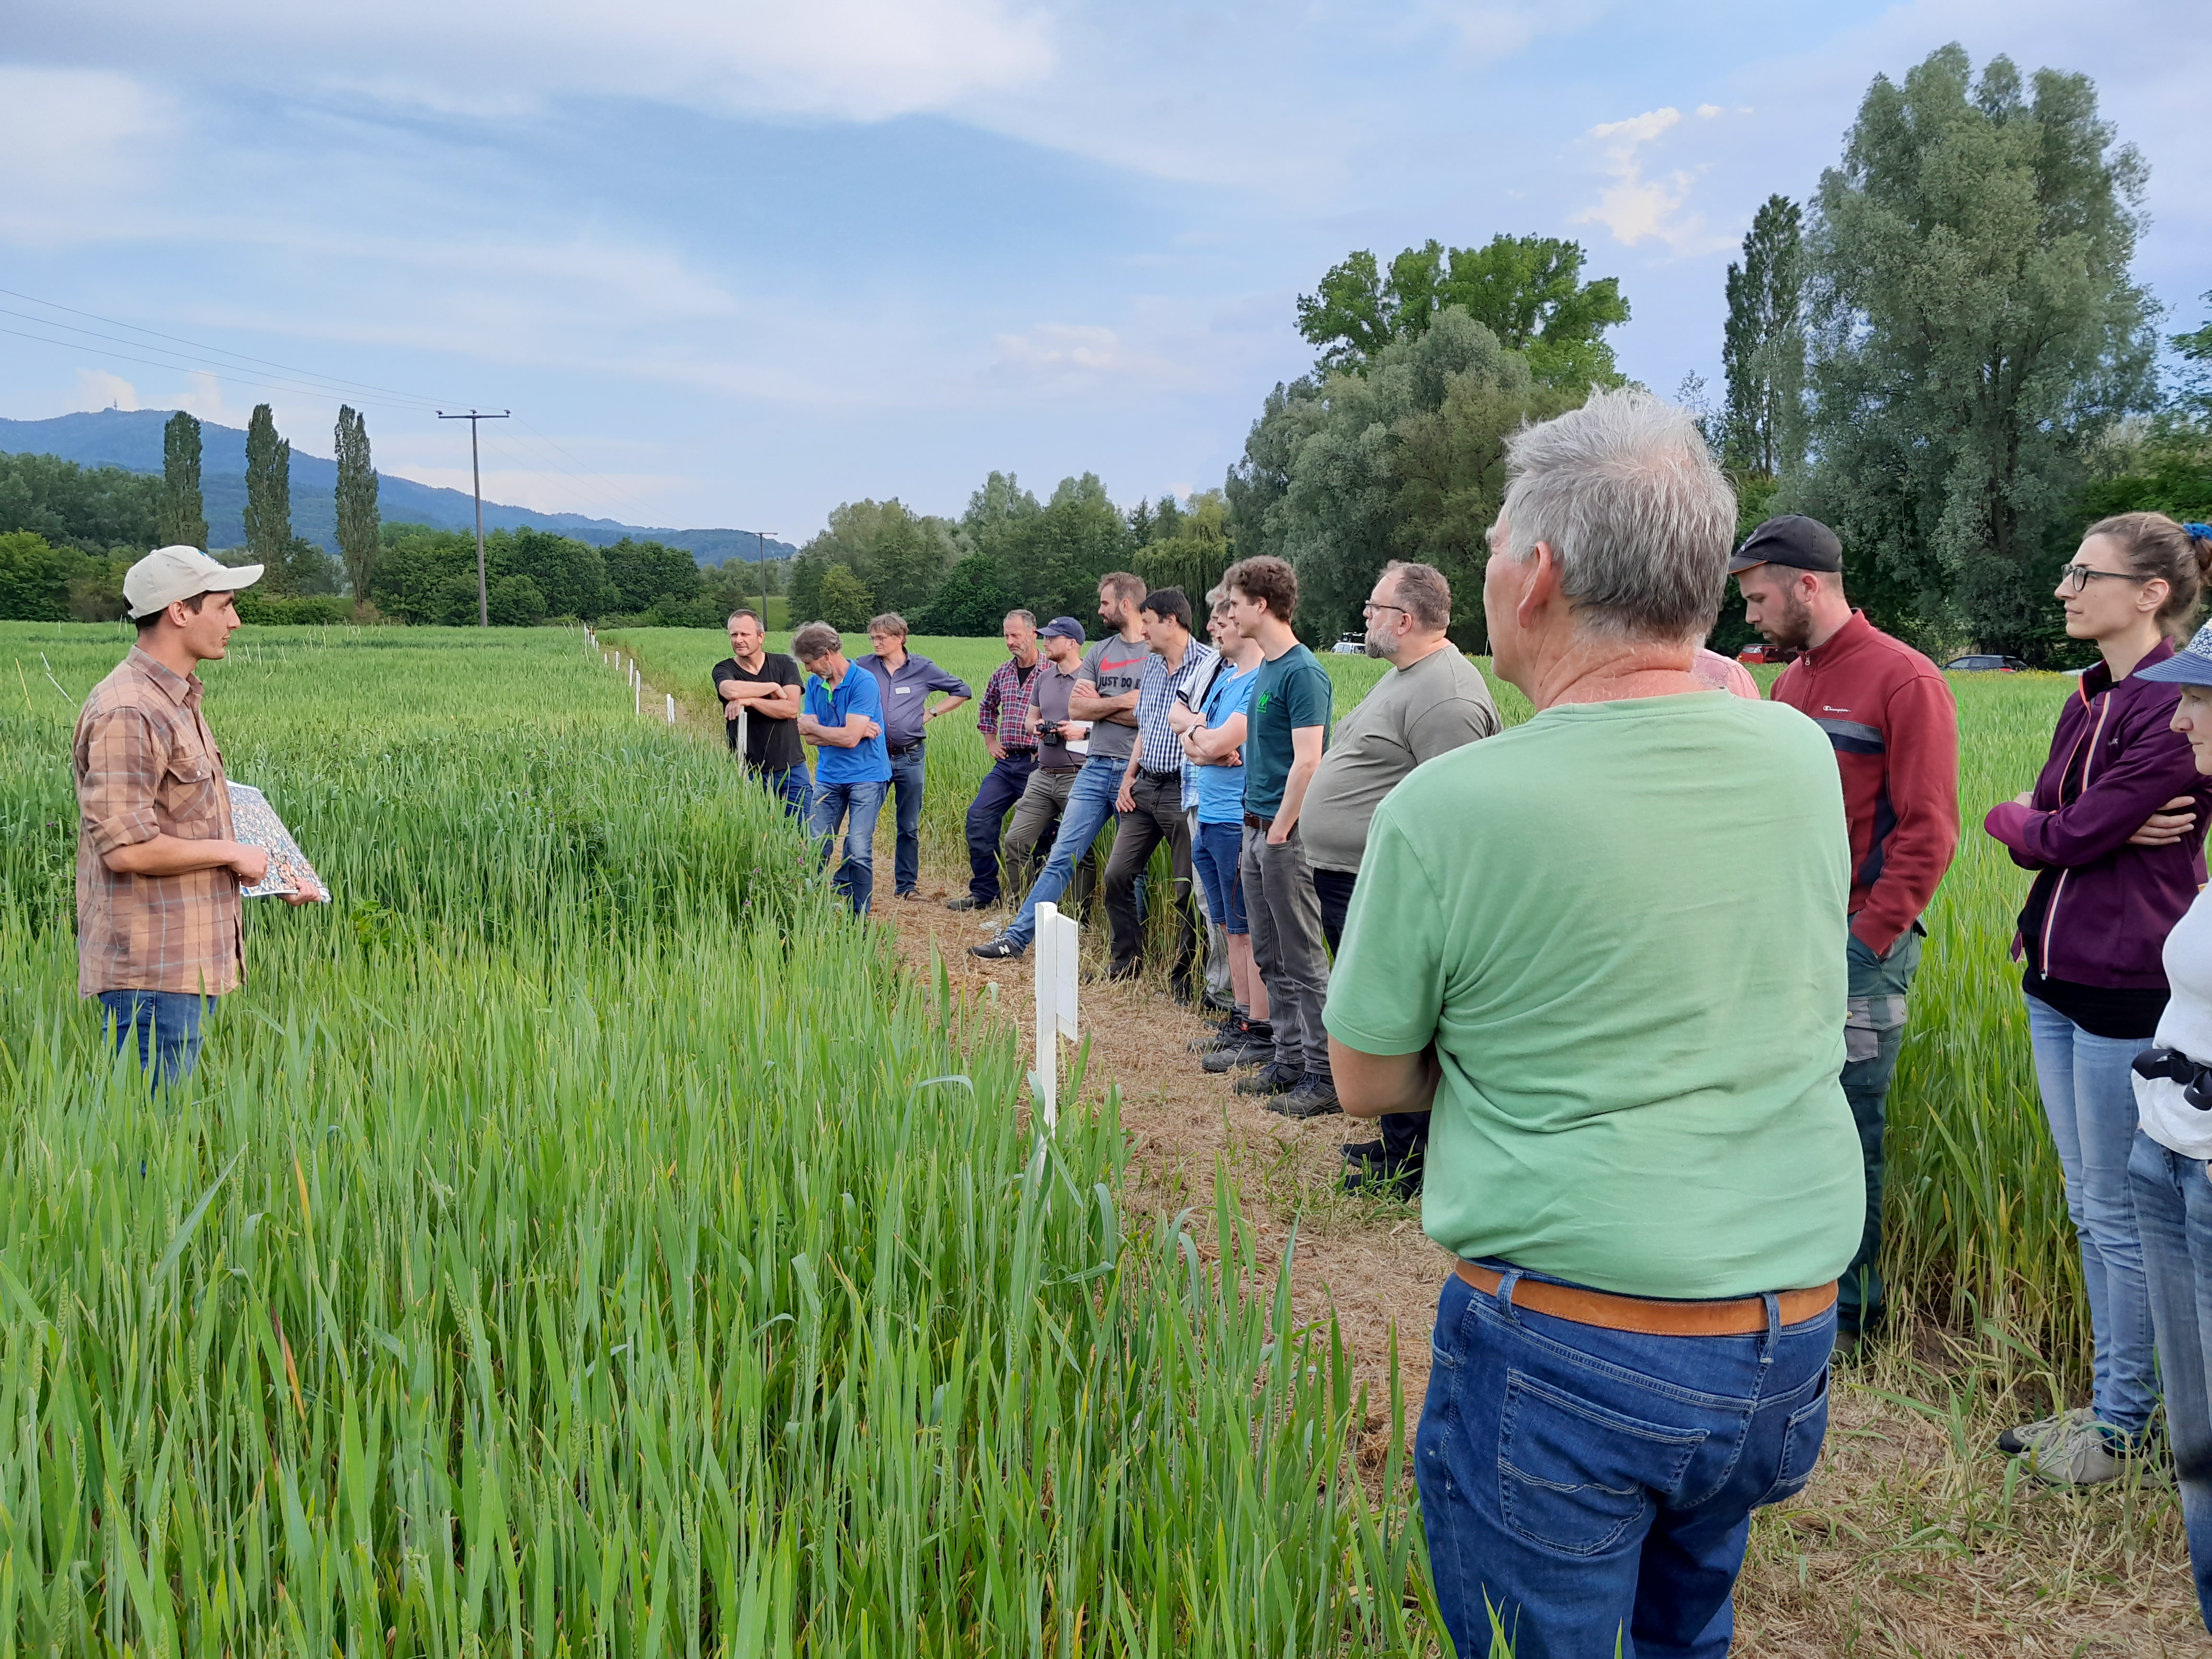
x: 734, y: 263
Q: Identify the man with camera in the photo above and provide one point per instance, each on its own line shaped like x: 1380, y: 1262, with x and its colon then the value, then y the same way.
x: 1062, y: 746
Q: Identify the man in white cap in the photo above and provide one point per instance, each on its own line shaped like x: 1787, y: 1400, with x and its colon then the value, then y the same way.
x: 158, y: 872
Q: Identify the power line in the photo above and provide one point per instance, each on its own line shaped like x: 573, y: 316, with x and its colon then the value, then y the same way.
x: 483, y: 605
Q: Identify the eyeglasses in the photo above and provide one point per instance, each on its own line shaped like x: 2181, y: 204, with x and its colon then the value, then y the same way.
x: 1370, y: 608
x: 2079, y: 576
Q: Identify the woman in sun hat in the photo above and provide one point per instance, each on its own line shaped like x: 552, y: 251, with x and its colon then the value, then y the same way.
x: 2168, y: 1170
x: 2114, y: 830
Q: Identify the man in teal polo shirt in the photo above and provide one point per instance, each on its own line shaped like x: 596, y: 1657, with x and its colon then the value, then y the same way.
x: 842, y: 715
x: 1640, y: 1153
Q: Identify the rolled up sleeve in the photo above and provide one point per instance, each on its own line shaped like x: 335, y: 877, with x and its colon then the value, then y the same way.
x: 122, y: 758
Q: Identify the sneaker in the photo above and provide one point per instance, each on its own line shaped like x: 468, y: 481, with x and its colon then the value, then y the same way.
x: 1250, y: 1049
x: 1311, y: 1096
x: 1000, y: 949
x: 2031, y: 1436
x: 964, y: 903
x: 2082, y: 1454
x: 1273, y: 1078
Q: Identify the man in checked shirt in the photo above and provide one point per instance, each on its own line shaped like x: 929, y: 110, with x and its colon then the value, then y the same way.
x: 158, y: 873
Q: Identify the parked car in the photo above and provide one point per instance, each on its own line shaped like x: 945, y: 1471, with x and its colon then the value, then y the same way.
x: 1984, y: 664
x: 1350, y: 644
x: 1759, y: 651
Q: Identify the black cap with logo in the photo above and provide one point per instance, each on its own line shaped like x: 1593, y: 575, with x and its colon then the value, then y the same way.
x: 1801, y: 543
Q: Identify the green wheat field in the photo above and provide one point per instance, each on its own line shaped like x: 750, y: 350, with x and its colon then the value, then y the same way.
x: 581, y: 1237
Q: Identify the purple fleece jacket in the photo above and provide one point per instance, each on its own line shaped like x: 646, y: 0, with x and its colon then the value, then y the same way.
x: 2100, y: 910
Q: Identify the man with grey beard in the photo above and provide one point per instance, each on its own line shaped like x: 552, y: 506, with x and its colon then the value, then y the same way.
x: 1431, y: 701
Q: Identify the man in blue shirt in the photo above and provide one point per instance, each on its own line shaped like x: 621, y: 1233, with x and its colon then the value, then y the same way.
x: 906, y: 682
x: 842, y: 715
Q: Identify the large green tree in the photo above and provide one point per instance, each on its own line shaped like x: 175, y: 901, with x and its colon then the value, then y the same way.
x: 102, y: 510
x: 357, y: 521
x: 1975, y: 328
x: 268, y: 498
x: 183, y: 512
x: 1527, y: 290
x: 1763, y: 349
x: 1405, y: 461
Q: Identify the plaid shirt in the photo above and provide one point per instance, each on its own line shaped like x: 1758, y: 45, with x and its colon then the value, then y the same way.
x: 1006, y: 705
x: 1160, y: 750
x: 146, y: 765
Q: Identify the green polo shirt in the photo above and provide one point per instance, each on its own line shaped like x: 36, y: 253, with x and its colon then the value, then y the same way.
x: 1622, y: 925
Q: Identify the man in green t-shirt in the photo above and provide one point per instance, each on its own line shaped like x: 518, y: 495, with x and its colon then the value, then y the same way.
x: 1639, y: 1153
x: 1287, y: 728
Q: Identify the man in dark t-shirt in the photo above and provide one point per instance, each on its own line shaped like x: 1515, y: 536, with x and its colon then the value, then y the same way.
x: 760, y: 693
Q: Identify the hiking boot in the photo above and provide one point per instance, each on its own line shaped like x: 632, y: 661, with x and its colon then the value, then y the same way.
x: 1358, y: 1153
x: 965, y: 902
x: 1248, y: 1048
x: 2031, y: 1436
x: 1273, y: 1078
x: 1311, y: 1096
x: 1218, y: 1032
x: 1000, y: 949
x: 2085, y: 1453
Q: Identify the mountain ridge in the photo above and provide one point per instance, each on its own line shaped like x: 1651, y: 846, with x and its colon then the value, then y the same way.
x: 131, y: 439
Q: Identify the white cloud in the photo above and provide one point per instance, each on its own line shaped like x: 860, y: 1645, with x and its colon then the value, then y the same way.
x: 71, y: 140
x: 1638, y: 208
x: 859, y: 59
x: 97, y: 389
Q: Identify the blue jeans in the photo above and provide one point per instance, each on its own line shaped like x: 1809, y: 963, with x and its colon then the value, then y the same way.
x: 906, y: 853
x: 168, y: 1027
x: 1001, y: 787
x: 2174, y: 1211
x: 793, y: 787
x: 1216, y: 850
x: 1589, y: 1487
x: 1090, y: 805
x: 2090, y: 1100
x: 856, y: 805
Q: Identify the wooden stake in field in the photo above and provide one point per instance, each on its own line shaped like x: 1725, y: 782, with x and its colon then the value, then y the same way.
x: 1058, y: 945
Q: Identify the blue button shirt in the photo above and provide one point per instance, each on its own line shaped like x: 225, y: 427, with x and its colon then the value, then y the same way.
x: 856, y: 694
x: 905, y: 693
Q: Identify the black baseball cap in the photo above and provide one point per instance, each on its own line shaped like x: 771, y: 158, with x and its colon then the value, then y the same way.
x: 1793, y: 539
x: 1061, y: 628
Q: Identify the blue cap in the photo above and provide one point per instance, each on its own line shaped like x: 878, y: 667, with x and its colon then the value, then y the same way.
x: 1061, y: 628
x: 2190, y: 666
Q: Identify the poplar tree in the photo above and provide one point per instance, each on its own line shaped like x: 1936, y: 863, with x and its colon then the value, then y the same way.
x: 184, y: 514
x: 356, y: 501
x: 1763, y: 351
x: 1975, y: 328
x: 268, y: 498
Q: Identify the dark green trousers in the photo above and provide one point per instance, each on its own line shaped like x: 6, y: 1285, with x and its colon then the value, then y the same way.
x: 1874, y: 1031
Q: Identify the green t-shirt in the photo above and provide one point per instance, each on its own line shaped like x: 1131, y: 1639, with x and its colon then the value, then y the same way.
x: 1292, y: 691
x: 1623, y: 925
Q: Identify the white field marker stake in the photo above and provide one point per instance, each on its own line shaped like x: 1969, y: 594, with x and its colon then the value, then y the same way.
x: 741, y: 732
x: 671, y: 709
x: 637, y: 698
x: 1058, y: 943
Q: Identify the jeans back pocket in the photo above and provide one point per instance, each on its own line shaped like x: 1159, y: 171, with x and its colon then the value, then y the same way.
x: 1574, y: 1476
x: 1801, y: 1437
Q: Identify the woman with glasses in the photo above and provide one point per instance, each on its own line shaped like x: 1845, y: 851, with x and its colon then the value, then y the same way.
x: 2168, y: 1170
x: 2114, y: 830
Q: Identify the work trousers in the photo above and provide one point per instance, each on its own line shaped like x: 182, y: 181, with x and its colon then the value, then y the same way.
x: 1405, y: 1134
x: 1158, y: 817
x: 1874, y: 1032
x: 1030, y: 834
x: 1287, y: 946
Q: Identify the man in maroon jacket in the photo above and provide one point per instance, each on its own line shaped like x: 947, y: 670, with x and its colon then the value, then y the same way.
x: 1889, y: 714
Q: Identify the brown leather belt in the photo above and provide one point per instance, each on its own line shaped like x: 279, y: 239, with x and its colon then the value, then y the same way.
x: 1741, y: 1316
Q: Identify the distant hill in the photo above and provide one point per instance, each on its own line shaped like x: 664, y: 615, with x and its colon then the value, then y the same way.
x: 131, y: 439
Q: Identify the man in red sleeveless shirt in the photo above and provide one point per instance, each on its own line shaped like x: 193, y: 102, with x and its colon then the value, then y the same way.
x: 1889, y: 714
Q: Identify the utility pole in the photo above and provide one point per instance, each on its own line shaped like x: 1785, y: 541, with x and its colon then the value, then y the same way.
x: 760, y: 548
x: 475, y: 471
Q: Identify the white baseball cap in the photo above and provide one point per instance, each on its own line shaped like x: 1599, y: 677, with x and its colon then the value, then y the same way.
x: 169, y: 574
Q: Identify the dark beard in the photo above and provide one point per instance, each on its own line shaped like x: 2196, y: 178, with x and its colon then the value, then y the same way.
x: 1793, y: 631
